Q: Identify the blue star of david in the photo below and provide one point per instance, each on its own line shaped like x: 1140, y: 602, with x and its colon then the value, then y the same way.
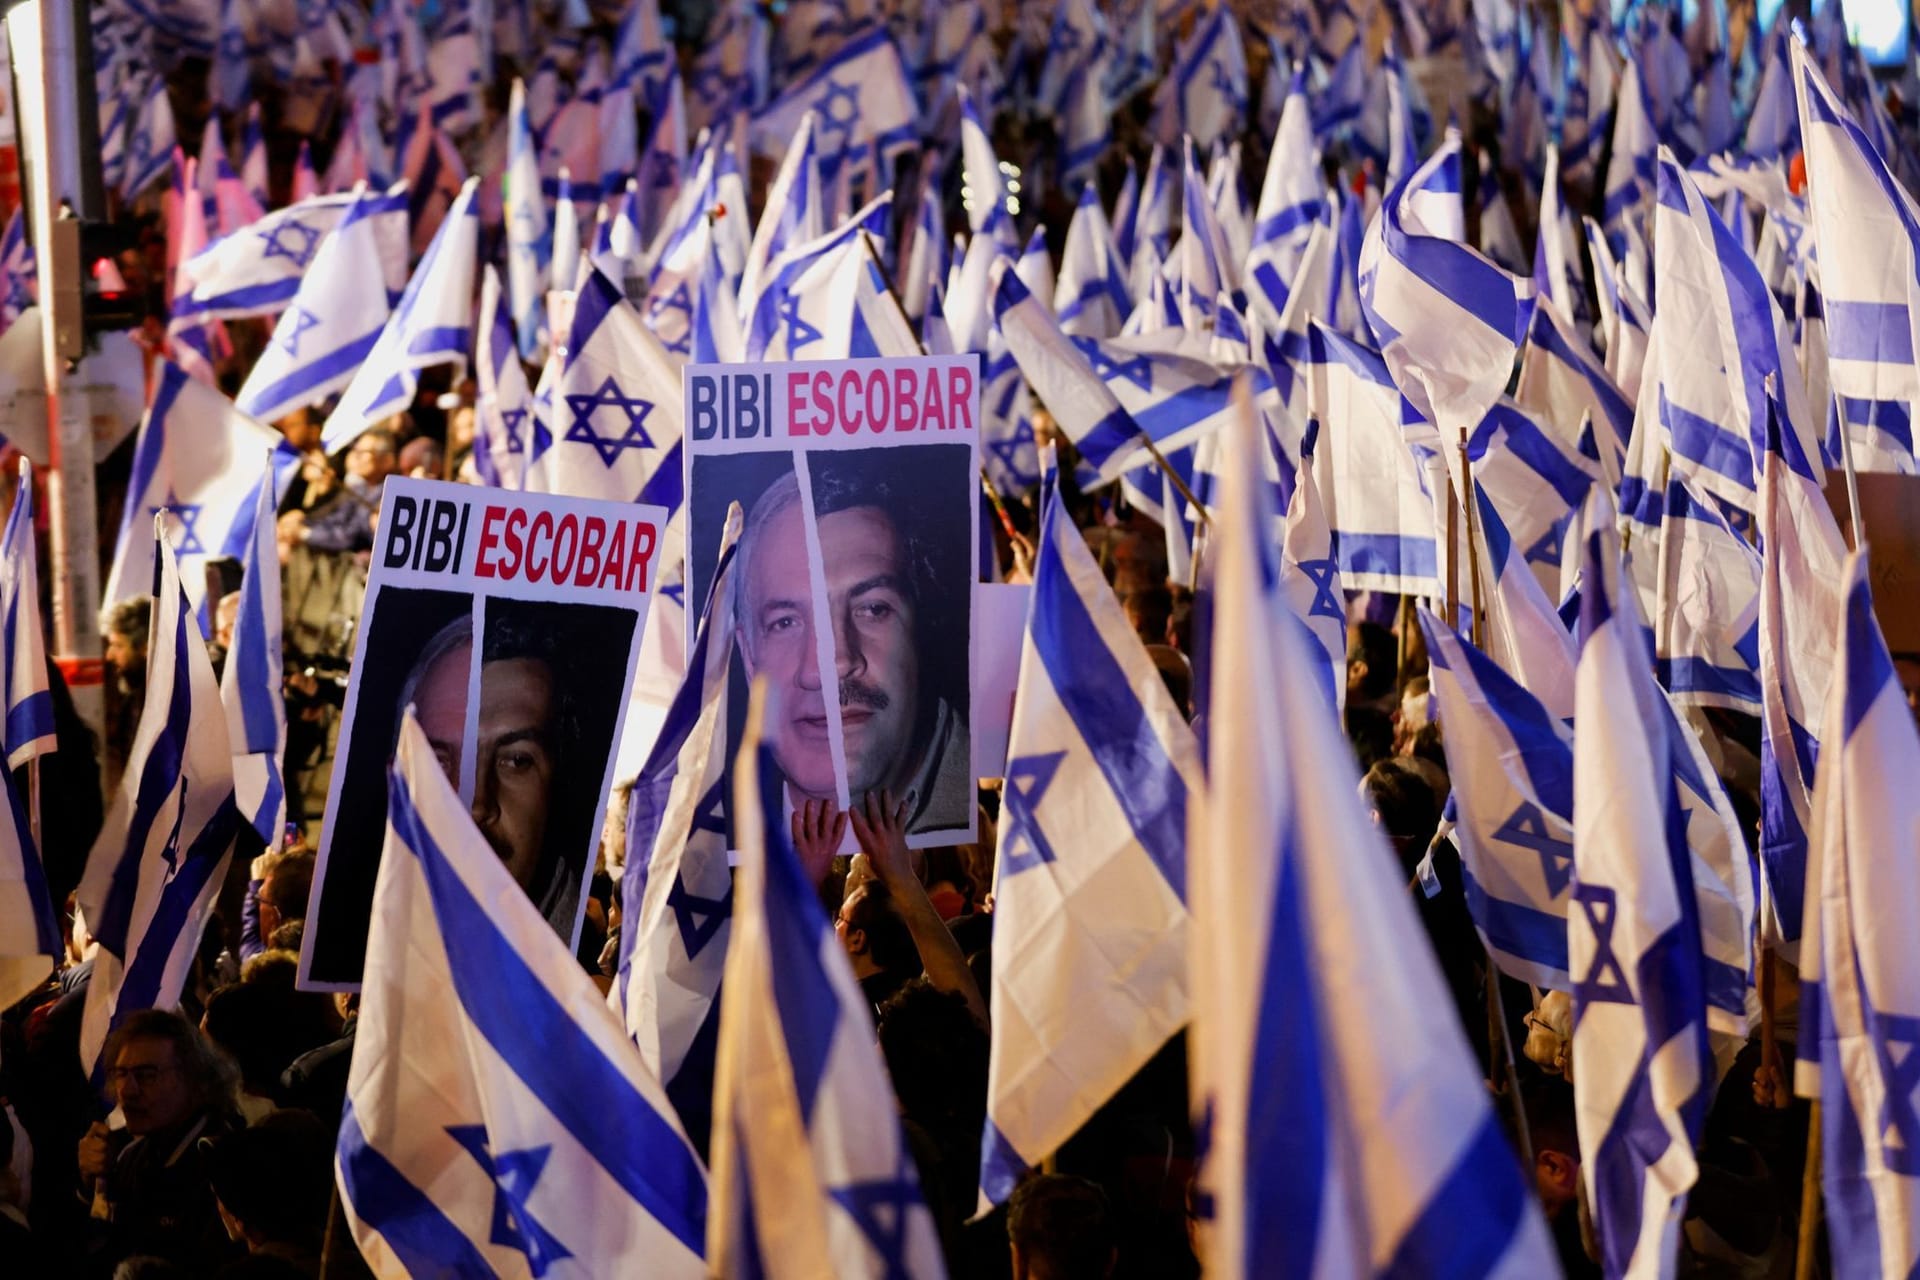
x: 140, y: 148
x: 679, y: 300
x: 1025, y: 845
x: 706, y: 817
x: 1606, y: 981
x: 1223, y: 84
x: 19, y: 296
x: 1321, y: 573
x: 298, y: 321
x: 1065, y: 40
x: 1525, y: 828
x: 1899, y: 1123
x: 676, y: 592
x: 1011, y: 450
x: 301, y: 253
x: 799, y: 332
x: 511, y: 420
x: 839, y: 110
x: 188, y: 514
x: 1551, y: 546
x: 698, y: 919
x: 1748, y: 645
x: 233, y: 44
x: 1136, y: 369
x: 514, y: 1174
x: 881, y: 1209
x: 608, y: 397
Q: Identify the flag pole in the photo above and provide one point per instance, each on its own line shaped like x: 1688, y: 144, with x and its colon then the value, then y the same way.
x: 1803, y: 1263
x: 1173, y: 477
x: 1853, y: 485
x: 1502, y: 1044
x: 1474, y: 625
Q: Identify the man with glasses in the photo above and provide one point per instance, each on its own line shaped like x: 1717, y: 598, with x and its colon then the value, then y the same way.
x: 344, y: 523
x: 146, y: 1183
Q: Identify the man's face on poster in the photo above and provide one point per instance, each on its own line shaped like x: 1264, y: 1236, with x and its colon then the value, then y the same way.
x: 513, y: 764
x: 877, y: 667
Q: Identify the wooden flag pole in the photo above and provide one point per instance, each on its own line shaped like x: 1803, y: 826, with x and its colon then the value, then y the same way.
x: 1803, y: 1263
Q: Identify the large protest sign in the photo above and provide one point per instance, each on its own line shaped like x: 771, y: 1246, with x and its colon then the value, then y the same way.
x: 557, y: 589
x: 858, y: 479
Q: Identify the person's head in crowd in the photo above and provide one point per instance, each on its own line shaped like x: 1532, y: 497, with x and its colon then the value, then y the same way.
x: 1060, y: 1228
x: 883, y: 598
x: 462, y: 426
x: 521, y: 727
x: 284, y: 892
x: 1416, y: 712
x: 1548, y: 1104
x: 127, y: 626
x: 1549, y: 1043
x: 1405, y: 808
x: 422, y: 459
x: 225, y: 615
x: 373, y: 457
x: 272, y: 1181
x: 302, y: 430
x: 262, y: 1027
x: 1373, y: 664
x: 1370, y: 732
x: 1428, y: 744
x: 164, y: 1074
x: 1148, y: 610
x: 876, y: 938
x: 1180, y: 628
x: 146, y: 1267
x: 274, y: 967
x: 288, y: 936
x: 1176, y: 673
x: 936, y: 1055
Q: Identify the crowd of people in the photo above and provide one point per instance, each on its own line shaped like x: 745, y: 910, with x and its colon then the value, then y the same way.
x: 205, y: 1144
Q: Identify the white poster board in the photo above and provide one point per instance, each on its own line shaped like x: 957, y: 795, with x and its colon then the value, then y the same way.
x: 557, y: 589
x: 858, y: 480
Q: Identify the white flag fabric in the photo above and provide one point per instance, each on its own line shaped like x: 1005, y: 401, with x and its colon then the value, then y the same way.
x: 197, y: 458
x: 529, y: 241
x: 252, y: 691
x: 1643, y: 1071
x: 811, y: 1174
x: 1091, y: 867
x: 1309, y: 574
x: 30, y: 942
x: 1348, y: 1128
x: 498, y: 1120
x: 433, y: 324
x: 1293, y: 200
x: 865, y: 108
x: 258, y: 269
x: 162, y: 855
x: 1860, y: 965
x: 1511, y: 766
x: 1090, y: 295
x: 503, y: 405
x: 333, y: 322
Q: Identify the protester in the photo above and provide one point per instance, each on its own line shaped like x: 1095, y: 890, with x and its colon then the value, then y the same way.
x: 1059, y: 1228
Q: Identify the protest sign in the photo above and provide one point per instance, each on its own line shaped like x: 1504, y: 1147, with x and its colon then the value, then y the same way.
x: 858, y: 479
x: 557, y: 589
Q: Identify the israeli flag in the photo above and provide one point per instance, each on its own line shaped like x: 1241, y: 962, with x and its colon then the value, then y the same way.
x: 196, y: 459
x: 1090, y: 296
x: 504, y: 402
x: 1713, y: 406
x: 251, y: 688
x: 1086, y: 125
x: 1524, y: 632
x: 1150, y: 230
x: 30, y: 941
x: 1347, y: 1126
x: 433, y: 324
x: 799, y: 313
x: 1643, y: 1072
x: 673, y: 955
x: 865, y: 107
x: 151, y: 139
x: 1200, y: 265
x: 792, y: 215
x: 498, y: 1121
x: 987, y: 195
x: 1204, y: 93
x: 1801, y: 601
x: 1706, y: 626
x: 1309, y: 574
x: 926, y: 251
x: 1868, y: 230
x: 1448, y: 320
x: 19, y: 269
x: 1091, y: 869
x: 1628, y: 191
x: 1511, y: 765
x: 811, y: 1174
x: 1558, y: 278
x: 1536, y: 480
x: 258, y: 269
x: 162, y: 855
x: 1293, y: 200
x: 1860, y: 965
x: 1562, y: 384
x: 1377, y: 495
x: 566, y: 235
x: 529, y: 243
x: 329, y: 329
x: 615, y: 432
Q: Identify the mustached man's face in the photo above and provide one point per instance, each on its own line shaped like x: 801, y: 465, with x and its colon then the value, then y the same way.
x: 513, y: 765
x: 877, y: 668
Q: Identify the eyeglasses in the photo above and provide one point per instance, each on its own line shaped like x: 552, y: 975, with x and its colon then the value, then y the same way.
x: 142, y: 1075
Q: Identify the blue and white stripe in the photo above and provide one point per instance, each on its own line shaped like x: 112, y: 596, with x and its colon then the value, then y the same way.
x: 476, y: 1138
x: 30, y: 942
x: 251, y: 689
x: 258, y: 269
